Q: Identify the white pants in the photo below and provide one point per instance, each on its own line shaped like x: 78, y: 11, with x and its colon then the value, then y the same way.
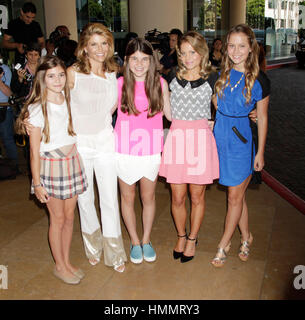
x: 103, y: 165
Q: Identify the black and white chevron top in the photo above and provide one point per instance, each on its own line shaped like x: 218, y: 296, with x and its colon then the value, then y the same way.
x: 191, y: 100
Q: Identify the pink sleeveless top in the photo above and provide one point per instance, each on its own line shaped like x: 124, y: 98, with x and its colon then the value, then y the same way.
x: 136, y: 134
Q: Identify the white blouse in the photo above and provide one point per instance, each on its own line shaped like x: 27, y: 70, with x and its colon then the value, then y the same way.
x: 58, y: 117
x: 92, y: 99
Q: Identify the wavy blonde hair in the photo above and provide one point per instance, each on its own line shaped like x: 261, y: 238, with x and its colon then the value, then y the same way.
x: 38, y: 96
x: 83, y: 64
x: 251, y: 64
x: 197, y: 41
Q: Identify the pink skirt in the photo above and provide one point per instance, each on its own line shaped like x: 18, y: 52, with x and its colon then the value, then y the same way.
x: 190, y: 153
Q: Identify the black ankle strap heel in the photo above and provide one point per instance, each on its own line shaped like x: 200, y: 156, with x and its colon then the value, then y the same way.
x: 188, y: 258
x: 176, y: 254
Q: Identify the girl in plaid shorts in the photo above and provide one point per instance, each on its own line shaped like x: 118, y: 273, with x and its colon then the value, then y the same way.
x: 57, y: 169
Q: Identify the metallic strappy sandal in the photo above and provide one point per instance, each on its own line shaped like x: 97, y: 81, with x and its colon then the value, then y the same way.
x: 244, y: 250
x: 221, y: 256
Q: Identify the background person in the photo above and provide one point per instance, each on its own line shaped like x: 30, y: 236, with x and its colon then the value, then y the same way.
x: 23, y: 78
x: 216, y: 53
x: 170, y: 59
x: 7, y: 116
x: 23, y: 30
x: 67, y: 52
x: 56, y: 38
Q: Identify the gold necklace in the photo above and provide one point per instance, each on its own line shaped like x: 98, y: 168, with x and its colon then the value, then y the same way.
x: 236, y: 84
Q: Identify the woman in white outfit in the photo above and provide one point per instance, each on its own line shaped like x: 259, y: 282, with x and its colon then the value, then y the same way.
x: 93, y: 84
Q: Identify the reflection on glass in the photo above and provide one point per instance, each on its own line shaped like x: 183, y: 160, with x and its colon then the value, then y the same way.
x: 206, y: 18
x: 111, y: 13
x: 281, y: 27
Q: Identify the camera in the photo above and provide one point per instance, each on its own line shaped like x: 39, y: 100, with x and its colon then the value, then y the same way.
x: 17, y: 66
x: 1, y: 63
x: 159, y: 40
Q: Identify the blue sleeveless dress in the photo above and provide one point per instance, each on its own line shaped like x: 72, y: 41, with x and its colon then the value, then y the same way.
x: 236, y: 157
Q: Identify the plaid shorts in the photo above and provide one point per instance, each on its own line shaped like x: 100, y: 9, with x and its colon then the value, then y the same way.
x: 62, y: 172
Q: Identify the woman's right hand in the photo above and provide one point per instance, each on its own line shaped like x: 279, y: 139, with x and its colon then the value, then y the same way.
x: 28, y: 126
x: 211, y: 124
x: 253, y: 116
x: 41, y: 194
x: 21, y: 74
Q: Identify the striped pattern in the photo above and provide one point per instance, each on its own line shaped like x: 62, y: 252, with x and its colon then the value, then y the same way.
x: 62, y: 172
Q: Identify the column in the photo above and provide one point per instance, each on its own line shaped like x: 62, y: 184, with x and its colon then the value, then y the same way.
x: 163, y: 15
x: 59, y: 12
x: 237, y: 12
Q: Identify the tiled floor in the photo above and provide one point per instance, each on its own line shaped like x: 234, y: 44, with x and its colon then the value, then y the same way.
x: 278, y: 247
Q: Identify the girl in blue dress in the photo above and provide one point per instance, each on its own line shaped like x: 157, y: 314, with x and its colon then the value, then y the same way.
x: 240, y: 86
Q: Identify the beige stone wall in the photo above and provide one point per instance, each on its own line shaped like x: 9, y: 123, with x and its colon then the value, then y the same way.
x: 59, y: 12
x: 164, y: 15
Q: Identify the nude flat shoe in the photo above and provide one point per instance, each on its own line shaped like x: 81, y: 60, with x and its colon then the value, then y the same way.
x: 65, y: 279
x: 79, y: 273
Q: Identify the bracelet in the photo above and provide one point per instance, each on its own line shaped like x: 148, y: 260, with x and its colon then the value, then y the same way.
x: 36, y: 185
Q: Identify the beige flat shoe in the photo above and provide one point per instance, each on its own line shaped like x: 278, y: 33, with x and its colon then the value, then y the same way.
x: 79, y: 273
x: 65, y: 279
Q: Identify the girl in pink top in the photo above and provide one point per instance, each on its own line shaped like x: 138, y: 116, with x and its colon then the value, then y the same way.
x: 143, y: 97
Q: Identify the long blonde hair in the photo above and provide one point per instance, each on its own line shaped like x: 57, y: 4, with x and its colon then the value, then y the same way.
x: 39, y: 96
x: 251, y: 64
x: 197, y: 41
x: 83, y: 64
x: 153, y: 88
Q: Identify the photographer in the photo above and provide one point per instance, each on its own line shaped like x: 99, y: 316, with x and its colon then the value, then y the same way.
x: 170, y: 59
x: 57, y: 38
x: 23, y: 75
x: 23, y: 30
x: 6, y: 115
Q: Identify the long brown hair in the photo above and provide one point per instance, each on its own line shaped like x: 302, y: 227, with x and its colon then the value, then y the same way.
x: 153, y: 88
x: 251, y: 64
x: 197, y: 41
x: 38, y: 96
x: 83, y: 64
